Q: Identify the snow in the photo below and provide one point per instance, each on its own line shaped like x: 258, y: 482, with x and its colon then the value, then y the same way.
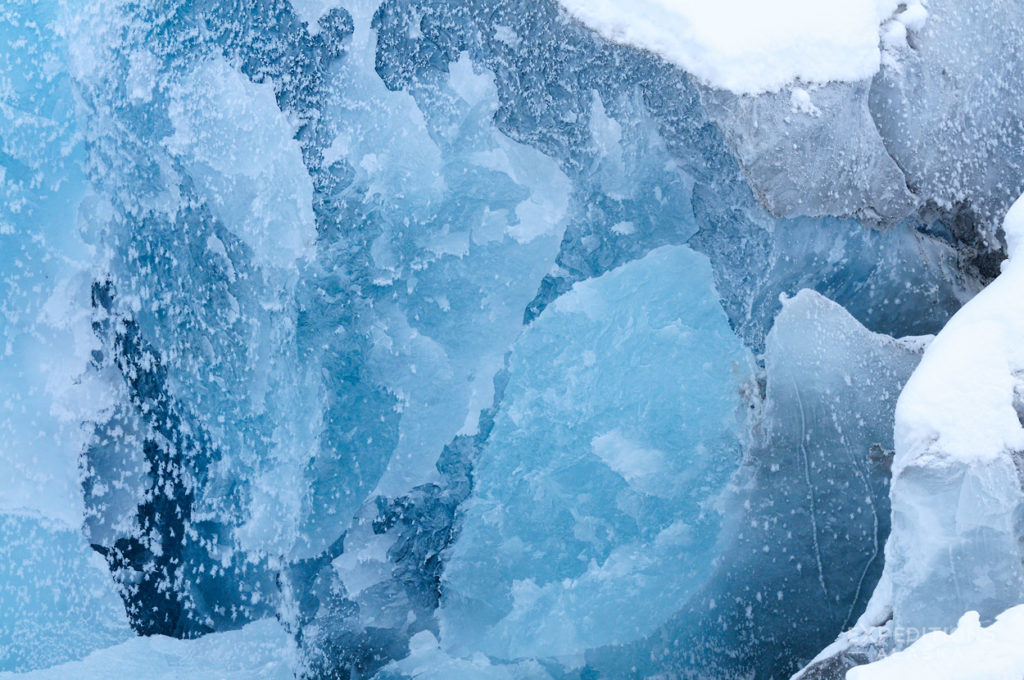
x: 971, y: 652
x: 959, y: 404
x: 260, y: 651
x: 748, y: 46
x: 956, y: 491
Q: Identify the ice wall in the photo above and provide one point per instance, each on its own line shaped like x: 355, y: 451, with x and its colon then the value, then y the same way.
x: 805, y: 552
x: 313, y: 270
x: 57, y: 601
x: 622, y: 422
x: 956, y: 486
x: 956, y: 490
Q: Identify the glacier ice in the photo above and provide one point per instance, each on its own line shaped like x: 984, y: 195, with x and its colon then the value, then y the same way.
x: 366, y: 338
x: 597, y: 487
x: 972, y: 89
x: 956, y: 484
x: 956, y: 490
x: 805, y: 550
x: 57, y: 601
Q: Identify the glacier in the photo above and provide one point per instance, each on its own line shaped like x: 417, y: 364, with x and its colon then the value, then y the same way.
x: 506, y: 338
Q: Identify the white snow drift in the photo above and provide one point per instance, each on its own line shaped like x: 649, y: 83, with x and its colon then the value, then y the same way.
x: 749, y: 46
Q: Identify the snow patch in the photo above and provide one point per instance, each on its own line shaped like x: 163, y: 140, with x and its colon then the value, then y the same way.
x: 748, y: 46
x: 968, y: 653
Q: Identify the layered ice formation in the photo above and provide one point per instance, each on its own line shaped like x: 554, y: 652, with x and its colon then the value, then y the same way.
x: 453, y: 338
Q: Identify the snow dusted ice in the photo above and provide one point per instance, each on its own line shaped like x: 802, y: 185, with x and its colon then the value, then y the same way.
x: 508, y: 339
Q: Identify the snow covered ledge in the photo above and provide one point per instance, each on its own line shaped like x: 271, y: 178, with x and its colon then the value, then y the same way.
x: 957, y: 498
x: 752, y: 46
x: 957, y: 501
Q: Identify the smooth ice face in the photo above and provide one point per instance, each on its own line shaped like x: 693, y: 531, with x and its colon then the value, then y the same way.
x: 805, y: 551
x: 621, y: 424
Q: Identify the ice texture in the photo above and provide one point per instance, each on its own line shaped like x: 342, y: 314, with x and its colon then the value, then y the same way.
x: 804, y: 554
x: 962, y: 94
x: 814, y: 151
x: 956, y: 491
x: 299, y: 299
x: 956, y: 487
x: 622, y: 422
x: 57, y: 601
x: 260, y: 651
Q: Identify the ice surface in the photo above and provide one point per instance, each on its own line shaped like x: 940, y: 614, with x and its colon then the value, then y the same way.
x: 300, y: 298
x: 260, y: 651
x: 806, y: 551
x: 956, y: 491
x: 814, y: 151
x: 239, y: 149
x: 622, y: 423
x: 57, y: 601
x: 745, y: 46
x: 960, y: 93
x: 44, y: 278
x: 428, y: 661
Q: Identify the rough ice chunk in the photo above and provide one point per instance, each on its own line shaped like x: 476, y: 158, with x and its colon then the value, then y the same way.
x: 620, y: 426
x: 956, y: 490
x: 959, y: 93
x: 241, y: 153
x: 813, y: 152
x: 465, y: 224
